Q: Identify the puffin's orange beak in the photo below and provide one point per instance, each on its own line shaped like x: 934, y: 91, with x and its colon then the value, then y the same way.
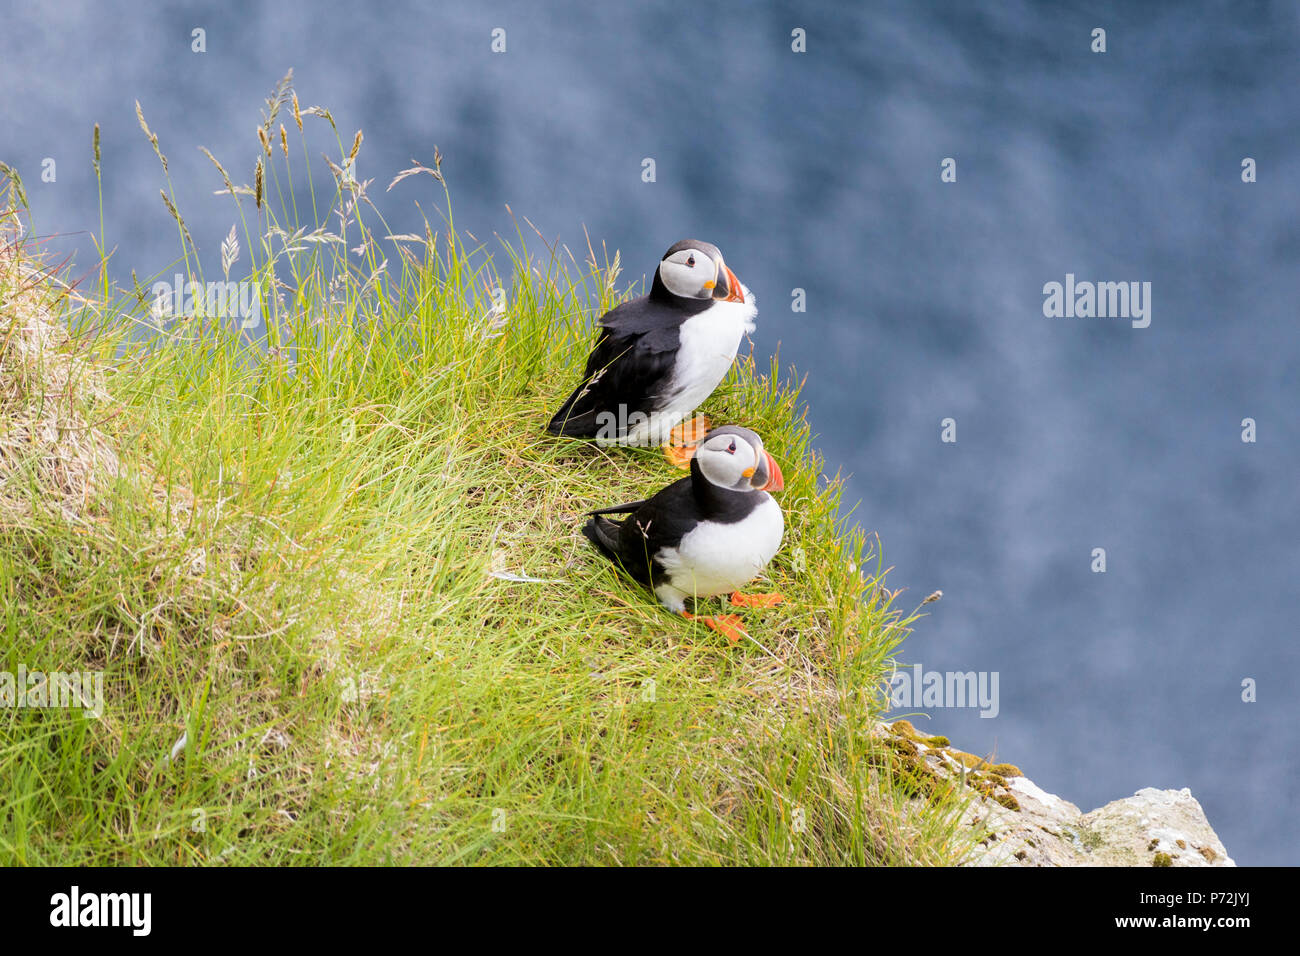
x: 735, y: 291
x: 775, y: 480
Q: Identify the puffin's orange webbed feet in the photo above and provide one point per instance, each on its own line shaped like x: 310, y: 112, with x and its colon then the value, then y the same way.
x: 757, y: 600
x: 728, y: 625
x: 682, y: 441
x: 679, y: 457
x: 692, y: 432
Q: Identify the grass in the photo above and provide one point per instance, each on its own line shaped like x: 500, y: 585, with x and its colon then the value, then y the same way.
x: 288, y: 552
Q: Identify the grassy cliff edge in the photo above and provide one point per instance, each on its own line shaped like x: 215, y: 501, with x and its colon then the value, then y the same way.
x: 331, y: 573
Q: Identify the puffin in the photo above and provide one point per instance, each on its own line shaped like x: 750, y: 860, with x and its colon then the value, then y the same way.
x: 660, y: 355
x: 704, y: 535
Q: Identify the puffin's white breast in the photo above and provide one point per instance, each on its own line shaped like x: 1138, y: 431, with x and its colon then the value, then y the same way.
x: 717, y: 558
x: 708, y: 346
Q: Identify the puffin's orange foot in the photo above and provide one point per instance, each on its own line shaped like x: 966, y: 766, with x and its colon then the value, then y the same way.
x: 690, y: 433
x: 728, y: 625
x: 757, y: 600
x: 683, y: 439
x: 679, y: 457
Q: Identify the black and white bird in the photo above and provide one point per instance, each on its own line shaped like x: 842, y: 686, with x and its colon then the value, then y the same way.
x: 707, y: 534
x: 660, y: 355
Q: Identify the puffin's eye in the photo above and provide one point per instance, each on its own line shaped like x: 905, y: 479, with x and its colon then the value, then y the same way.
x: 691, y: 262
x: 731, y: 449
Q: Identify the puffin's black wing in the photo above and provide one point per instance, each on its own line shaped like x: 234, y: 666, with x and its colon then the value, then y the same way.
x: 655, y: 323
x: 633, y: 358
x: 661, y: 521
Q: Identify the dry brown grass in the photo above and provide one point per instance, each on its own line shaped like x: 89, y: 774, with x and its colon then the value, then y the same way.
x: 52, y: 397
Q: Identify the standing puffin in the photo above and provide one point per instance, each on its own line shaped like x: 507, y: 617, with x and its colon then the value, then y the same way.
x: 662, y: 354
x: 707, y: 534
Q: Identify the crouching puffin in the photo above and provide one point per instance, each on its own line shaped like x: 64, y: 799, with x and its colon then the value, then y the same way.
x: 707, y: 534
x: 659, y: 356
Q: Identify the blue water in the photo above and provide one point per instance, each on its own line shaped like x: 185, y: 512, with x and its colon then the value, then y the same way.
x: 820, y: 171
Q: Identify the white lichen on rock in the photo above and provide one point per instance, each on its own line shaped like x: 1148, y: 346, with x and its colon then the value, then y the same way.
x: 1151, y: 828
x: 1012, y: 821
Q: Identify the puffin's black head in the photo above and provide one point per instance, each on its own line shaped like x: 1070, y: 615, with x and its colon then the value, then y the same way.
x: 732, y: 457
x: 693, y: 270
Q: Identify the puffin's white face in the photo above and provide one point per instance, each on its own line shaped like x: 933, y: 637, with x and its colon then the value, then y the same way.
x: 734, y: 458
x: 690, y: 273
